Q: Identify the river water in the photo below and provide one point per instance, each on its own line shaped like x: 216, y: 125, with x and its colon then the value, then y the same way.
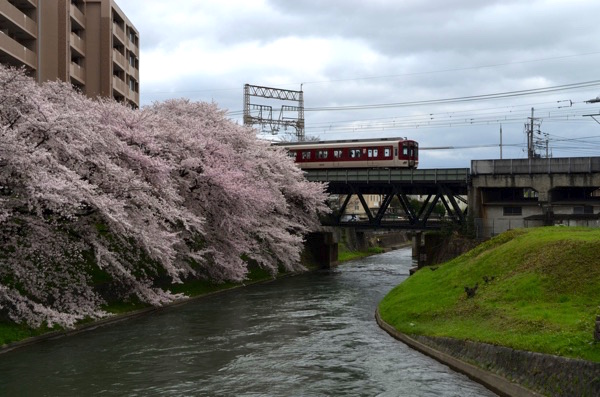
x: 308, y: 335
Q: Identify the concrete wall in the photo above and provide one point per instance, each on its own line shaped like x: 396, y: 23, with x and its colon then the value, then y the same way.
x: 322, y: 248
x: 542, y: 373
x: 558, y: 186
x: 496, y: 222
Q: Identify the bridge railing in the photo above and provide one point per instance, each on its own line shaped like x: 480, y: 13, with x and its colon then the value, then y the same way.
x: 458, y: 175
x: 536, y: 166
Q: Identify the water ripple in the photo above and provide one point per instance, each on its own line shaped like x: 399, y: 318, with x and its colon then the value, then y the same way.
x: 310, y: 335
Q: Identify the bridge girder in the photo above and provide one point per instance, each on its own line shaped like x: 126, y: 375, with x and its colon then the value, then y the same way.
x: 422, y: 219
x: 438, y: 185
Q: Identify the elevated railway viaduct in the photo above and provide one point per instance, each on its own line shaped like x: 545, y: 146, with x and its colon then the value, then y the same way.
x: 496, y: 195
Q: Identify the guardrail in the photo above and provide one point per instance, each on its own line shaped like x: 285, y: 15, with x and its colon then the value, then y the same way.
x: 566, y: 165
x: 374, y: 175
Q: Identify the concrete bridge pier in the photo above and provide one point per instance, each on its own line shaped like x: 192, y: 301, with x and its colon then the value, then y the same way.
x: 420, y: 249
x: 425, y: 247
x: 416, y: 238
x: 322, y: 248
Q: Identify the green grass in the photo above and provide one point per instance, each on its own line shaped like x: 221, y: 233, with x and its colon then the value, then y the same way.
x: 344, y: 254
x: 202, y: 287
x: 544, y: 297
x: 11, y: 332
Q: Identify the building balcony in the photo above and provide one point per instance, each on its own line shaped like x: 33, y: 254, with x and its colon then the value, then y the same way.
x: 78, y: 16
x: 119, y: 59
x: 134, y: 97
x: 119, y: 33
x: 120, y: 86
x: 20, y: 21
x: 19, y: 53
x: 132, y: 39
x: 77, y: 73
x: 133, y: 49
x: 135, y: 73
x: 78, y: 44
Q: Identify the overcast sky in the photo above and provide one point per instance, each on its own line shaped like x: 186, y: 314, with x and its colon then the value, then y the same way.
x: 501, y: 57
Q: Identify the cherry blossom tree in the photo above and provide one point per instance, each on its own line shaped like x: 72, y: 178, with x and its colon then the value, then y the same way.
x: 99, y: 201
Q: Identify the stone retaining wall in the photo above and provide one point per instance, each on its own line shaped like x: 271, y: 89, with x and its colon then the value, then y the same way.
x: 545, y: 374
x: 506, y: 371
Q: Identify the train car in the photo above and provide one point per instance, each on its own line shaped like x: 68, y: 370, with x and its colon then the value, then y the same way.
x: 360, y: 153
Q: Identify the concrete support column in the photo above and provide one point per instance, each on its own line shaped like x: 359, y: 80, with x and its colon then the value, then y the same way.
x: 416, y: 244
x: 361, y: 241
x: 323, y: 249
x: 474, y: 200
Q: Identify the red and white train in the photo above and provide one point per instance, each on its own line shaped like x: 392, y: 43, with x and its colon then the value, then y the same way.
x: 360, y: 153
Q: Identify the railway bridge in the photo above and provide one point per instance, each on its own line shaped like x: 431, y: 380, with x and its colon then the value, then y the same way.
x: 499, y: 195
x: 447, y: 186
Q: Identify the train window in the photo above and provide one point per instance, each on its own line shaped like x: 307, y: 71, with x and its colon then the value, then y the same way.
x: 337, y: 153
x: 306, y: 155
x: 405, y: 150
x: 355, y: 153
x: 387, y: 152
x: 322, y: 154
x: 370, y: 153
x: 375, y: 152
x: 292, y: 154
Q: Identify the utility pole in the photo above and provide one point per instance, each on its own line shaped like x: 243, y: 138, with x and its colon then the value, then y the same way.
x: 500, y: 141
x: 530, y: 128
x: 265, y: 117
x: 530, y: 150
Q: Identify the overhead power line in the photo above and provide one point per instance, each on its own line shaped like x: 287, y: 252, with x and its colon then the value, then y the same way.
x: 473, y: 98
x: 450, y: 70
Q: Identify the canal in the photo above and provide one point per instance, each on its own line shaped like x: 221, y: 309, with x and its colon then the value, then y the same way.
x: 309, y: 335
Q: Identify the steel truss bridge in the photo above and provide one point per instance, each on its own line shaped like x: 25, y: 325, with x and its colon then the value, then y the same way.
x: 447, y: 185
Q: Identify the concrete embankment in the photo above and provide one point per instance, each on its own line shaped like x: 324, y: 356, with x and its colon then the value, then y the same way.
x: 528, y: 297
x: 490, y: 380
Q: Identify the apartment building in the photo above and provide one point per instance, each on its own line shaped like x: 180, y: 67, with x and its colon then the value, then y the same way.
x: 89, y: 43
x: 354, y: 209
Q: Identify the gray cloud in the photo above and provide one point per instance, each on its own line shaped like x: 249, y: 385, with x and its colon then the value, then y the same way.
x: 354, y: 52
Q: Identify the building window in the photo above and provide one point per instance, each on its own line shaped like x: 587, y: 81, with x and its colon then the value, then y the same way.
x: 132, y: 36
x: 583, y: 209
x: 132, y: 59
x: 512, y: 211
x: 133, y: 85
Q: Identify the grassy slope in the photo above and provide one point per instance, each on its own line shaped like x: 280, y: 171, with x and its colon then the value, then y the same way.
x: 544, y: 297
x: 344, y: 254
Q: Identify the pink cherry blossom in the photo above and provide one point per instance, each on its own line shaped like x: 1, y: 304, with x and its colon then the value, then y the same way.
x: 99, y: 201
